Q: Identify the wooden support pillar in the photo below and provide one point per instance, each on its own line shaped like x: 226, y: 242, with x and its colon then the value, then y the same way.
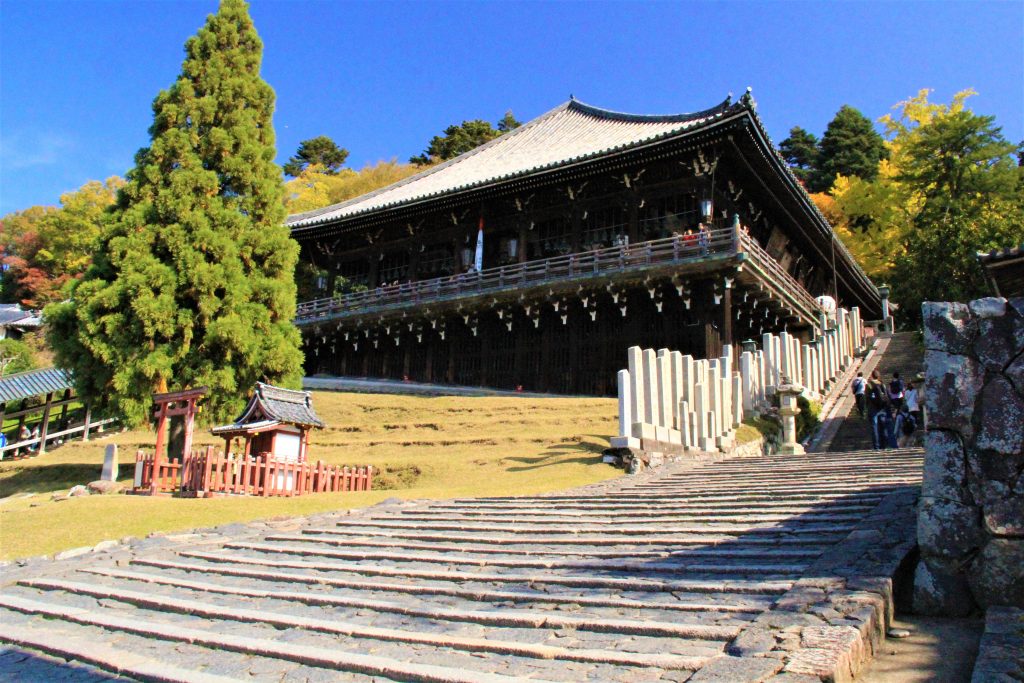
x: 45, y: 428
x: 414, y: 262
x: 161, y: 443
x: 190, y: 418
x: 21, y: 419
x: 429, y: 363
x: 727, y: 312
x: 373, y: 277
x: 706, y: 312
x: 521, y: 256
x: 63, y: 410
x: 576, y: 225
x: 450, y: 372
x: 88, y: 419
x: 634, y: 218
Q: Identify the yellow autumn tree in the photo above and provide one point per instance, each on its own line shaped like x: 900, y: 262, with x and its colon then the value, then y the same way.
x: 950, y: 187
x: 315, y: 187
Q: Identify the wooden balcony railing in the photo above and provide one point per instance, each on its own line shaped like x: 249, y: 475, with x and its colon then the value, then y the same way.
x: 608, y: 261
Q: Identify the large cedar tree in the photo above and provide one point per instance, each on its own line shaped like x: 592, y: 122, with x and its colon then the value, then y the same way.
x: 192, y: 284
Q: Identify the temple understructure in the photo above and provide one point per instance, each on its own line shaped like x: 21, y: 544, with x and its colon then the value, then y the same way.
x: 536, y: 260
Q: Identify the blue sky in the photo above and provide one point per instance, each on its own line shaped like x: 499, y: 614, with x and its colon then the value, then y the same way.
x: 77, y: 77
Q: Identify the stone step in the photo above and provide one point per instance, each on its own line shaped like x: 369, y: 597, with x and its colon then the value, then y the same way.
x: 796, y: 474
x: 750, y: 516
x: 641, y: 497
x: 473, y: 546
x: 88, y: 650
x: 638, y: 584
x: 704, y: 540
x: 794, y: 527
x: 506, y: 560
x: 804, y: 485
x: 740, y: 604
x: 195, y: 607
x: 581, y: 509
x: 508, y: 618
x: 215, y: 638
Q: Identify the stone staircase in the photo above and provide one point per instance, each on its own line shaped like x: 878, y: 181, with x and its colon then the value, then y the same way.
x: 652, y: 577
x: 903, y: 355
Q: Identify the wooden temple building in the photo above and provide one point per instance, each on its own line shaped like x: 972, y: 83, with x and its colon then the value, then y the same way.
x: 537, y: 259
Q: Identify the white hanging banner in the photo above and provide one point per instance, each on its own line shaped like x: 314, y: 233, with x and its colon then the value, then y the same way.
x: 478, y: 263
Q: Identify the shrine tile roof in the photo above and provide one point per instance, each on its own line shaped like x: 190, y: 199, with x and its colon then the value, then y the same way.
x: 33, y: 383
x: 570, y: 132
x: 274, y: 403
x: 247, y: 427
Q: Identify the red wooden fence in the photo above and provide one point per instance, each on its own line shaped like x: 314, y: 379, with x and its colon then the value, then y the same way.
x: 208, y: 473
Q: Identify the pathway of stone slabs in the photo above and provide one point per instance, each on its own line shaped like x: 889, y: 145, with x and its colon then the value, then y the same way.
x: 646, y: 578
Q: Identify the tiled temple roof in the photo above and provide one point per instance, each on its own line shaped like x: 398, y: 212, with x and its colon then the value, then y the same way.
x: 270, y: 404
x: 569, y: 133
x: 33, y: 383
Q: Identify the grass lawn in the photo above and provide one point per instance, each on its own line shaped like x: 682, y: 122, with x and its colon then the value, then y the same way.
x: 421, y: 447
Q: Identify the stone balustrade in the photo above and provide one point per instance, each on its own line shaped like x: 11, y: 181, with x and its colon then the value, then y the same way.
x: 671, y: 404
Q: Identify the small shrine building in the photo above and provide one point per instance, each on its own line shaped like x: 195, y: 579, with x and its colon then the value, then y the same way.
x: 276, y: 421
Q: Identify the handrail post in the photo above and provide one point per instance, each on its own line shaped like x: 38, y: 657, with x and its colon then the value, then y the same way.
x: 736, y: 233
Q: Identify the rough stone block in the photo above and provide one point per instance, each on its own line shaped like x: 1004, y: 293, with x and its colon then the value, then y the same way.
x: 945, y: 467
x: 752, y: 642
x: 999, y: 340
x: 1015, y: 371
x: 948, y: 529
x: 940, y: 592
x: 644, y: 430
x: 1005, y: 517
x: 996, y: 575
x: 952, y: 385
x: 988, y: 307
x: 661, y: 434
x: 738, y: 669
x: 1001, y: 418
x: 948, y: 327
x: 625, y: 442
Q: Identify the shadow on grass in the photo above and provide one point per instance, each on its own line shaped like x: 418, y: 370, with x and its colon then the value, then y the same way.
x: 46, y: 478
x: 589, y: 454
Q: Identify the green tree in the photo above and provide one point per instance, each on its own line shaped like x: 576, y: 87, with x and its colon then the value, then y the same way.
x: 15, y: 356
x: 192, y: 283
x: 462, y: 138
x: 508, y: 122
x: 319, y: 151
x: 800, y: 150
x: 850, y: 147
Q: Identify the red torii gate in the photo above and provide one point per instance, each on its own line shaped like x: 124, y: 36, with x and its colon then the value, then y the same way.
x: 173, y: 404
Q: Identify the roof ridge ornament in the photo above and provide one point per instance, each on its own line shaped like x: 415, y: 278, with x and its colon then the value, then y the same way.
x: 748, y: 98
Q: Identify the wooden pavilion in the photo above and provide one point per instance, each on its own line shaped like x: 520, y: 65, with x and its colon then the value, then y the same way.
x: 538, y: 258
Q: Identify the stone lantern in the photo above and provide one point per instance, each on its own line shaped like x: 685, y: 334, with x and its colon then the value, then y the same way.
x: 789, y: 409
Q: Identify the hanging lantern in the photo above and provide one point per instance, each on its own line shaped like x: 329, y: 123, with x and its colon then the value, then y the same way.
x: 707, y: 207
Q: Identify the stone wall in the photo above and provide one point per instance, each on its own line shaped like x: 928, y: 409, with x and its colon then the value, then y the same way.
x: 971, y: 519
